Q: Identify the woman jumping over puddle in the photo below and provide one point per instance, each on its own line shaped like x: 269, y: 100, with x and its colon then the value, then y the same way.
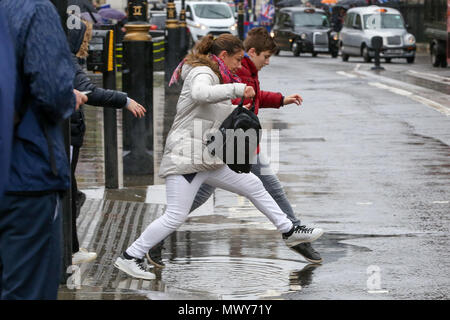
x: 208, y: 88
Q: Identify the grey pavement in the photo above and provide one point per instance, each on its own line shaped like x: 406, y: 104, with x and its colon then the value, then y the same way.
x: 366, y: 158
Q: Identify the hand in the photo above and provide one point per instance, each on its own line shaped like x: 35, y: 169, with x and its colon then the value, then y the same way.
x: 136, y: 109
x: 80, y: 98
x: 249, y: 92
x: 295, y: 98
x: 248, y: 106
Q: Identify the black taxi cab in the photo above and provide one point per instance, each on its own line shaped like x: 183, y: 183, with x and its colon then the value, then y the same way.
x: 304, y: 30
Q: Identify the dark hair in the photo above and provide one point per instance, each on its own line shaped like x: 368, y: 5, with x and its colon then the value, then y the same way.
x: 225, y: 41
x: 260, y: 39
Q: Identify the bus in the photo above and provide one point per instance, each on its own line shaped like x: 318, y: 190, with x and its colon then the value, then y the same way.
x: 437, y: 30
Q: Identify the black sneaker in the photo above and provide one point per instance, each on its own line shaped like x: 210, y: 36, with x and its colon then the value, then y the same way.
x: 154, y: 255
x: 308, y: 252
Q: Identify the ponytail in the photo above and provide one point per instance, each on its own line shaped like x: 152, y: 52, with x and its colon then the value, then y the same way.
x: 225, y: 41
x: 204, y: 45
x: 208, y: 45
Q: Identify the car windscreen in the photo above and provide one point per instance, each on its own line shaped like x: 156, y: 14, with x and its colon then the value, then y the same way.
x: 383, y: 21
x: 303, y: 19
x: 212, y: 11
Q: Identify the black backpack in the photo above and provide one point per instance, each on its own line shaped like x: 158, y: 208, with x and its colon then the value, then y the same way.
x: 241, y: 132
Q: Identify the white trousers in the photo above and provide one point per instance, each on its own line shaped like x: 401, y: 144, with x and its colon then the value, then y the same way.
x: 180, y: 195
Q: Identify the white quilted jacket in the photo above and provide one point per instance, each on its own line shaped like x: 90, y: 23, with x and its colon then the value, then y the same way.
x: 202, y: 106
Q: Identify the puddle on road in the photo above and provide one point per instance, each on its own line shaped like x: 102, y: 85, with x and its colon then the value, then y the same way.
x: 218, y: 258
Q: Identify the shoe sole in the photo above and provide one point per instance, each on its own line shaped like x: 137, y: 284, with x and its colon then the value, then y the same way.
x: 307, y: 259
x: 153, y: 262
x: 302, y: 241
x: 85, y: 260
x: 124, y: 268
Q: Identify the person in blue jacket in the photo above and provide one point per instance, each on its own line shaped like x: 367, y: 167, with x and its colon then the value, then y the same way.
x: 30, y: 217
x: 7, y: 92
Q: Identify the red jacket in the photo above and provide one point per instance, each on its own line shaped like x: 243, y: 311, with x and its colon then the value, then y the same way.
x: 263, y: 99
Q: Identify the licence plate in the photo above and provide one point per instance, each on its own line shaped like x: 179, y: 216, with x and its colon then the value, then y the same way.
x: 320, y: 49
x: 393, y: 52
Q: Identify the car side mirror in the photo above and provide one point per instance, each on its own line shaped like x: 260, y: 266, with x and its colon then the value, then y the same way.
x: 188, y: 15
x: 408, y: 27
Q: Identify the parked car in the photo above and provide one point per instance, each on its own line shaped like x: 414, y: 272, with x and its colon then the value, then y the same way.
x: 157, y: 23
x: 363, y: 23
x: 302, y: 29
x: 209, y: 17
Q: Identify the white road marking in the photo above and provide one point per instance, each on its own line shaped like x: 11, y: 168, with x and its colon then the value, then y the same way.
x: 364, y: 203
x: 349, y: 75
x: 430, y: 103
x: 430, y: 76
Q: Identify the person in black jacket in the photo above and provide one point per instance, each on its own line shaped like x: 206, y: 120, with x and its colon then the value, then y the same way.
x: 79, y: 41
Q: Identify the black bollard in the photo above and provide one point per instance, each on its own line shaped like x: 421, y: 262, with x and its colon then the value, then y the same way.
x: 377, y: 44
x: 170, y: 63
x: 182, y: 28
x: 241, y: 19
x: 137, y: 75
x: 172, y: 41
x: 137, y: 11
x: 104, y: 60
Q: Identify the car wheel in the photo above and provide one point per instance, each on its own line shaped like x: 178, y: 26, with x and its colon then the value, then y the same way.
x: 277, y: 52
x: 344, y: 57
x: 444, y: 63
x: 295, y: 49
x: 411, y: 59
x: 365, y: 54
x: 314, y: 54
x: 388, y: 60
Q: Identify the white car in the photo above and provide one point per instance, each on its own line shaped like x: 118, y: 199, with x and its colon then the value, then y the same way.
x: 363, y: 23
x: 209, y: 17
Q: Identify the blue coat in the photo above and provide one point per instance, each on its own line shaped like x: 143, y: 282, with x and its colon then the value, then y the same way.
x: 44, y: 96
x: 7, y: 92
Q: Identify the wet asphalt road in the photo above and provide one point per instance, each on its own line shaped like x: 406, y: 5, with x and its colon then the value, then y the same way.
x: 367, y: 163
x: 366, y: 158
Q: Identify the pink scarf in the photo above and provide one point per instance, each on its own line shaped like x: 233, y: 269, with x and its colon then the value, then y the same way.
x: 227, y: 75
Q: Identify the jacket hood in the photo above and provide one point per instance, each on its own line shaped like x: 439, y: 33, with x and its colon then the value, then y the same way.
x: 75, y: 36
x: 185, y: 70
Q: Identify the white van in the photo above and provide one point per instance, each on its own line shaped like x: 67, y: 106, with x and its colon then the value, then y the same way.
x: 363, y: 23
x: 208, y: 17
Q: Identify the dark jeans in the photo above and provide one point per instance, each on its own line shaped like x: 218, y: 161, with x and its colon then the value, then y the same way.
x: 30, y: 247
x: 73, y: 167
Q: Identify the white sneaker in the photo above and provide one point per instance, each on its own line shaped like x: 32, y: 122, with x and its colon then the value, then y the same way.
x: 83, y: 256
x: 134, y: 267
x: 300, y: 234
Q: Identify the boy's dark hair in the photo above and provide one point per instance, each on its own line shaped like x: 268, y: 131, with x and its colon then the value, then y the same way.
x: 260, y: 39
